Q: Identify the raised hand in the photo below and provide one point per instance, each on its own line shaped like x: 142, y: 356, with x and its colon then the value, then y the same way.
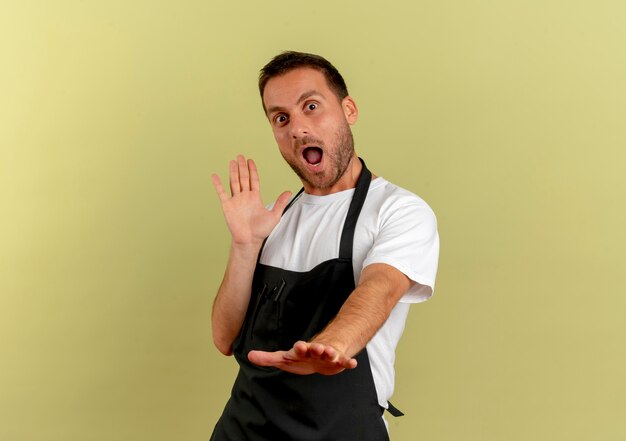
x: 247, y: 218
x: 305, y: 358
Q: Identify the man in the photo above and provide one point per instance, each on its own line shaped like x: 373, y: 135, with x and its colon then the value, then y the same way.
x: 316, y: 290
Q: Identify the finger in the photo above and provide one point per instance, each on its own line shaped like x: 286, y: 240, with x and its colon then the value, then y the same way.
x: 301, y: 349
x: 332, y: 355
x: 219, y: 188
x: 350, y: 363
x: 317, y: 349
x: 254, y: 176
x: 329, y: 354
x: 263, y: 358
x: 344, y: 361
x: 281, y: 203
x: 234, y: 178
x: 244, y: 176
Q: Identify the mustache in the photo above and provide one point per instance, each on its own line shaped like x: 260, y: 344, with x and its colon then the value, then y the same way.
x: 307, y: 140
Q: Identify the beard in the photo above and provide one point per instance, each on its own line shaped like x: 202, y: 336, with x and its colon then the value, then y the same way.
x: 337, y: 159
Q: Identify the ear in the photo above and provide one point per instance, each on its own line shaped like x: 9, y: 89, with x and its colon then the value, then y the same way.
x: 350, y: 110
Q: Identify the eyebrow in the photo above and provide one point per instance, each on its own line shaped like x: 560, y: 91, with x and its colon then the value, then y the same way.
x: 304, y: 96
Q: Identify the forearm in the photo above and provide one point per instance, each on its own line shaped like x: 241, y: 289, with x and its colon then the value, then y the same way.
x: 365, y: 310
x: 231, y: 302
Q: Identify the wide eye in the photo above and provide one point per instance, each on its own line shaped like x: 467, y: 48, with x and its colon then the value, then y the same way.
x: 280, y: 119
x: 311, y: 106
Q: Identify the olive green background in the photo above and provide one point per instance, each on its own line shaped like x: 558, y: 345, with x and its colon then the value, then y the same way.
x: 507, y: 117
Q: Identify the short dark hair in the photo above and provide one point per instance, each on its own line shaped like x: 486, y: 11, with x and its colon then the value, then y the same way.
x: 290, y: 60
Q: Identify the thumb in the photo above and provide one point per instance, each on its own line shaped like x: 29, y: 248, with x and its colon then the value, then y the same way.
x: 281, y: 202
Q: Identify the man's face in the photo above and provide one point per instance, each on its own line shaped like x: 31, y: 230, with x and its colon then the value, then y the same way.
x: 312, y: 128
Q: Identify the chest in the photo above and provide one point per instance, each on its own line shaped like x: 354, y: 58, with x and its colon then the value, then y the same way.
x: 309, y: 234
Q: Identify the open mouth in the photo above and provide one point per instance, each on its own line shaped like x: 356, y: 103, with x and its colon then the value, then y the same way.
x: 312, y: 155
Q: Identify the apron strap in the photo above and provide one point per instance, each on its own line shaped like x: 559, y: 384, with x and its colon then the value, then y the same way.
x: 360, y: 192
x: 393, y: 410
x: 293, y: 199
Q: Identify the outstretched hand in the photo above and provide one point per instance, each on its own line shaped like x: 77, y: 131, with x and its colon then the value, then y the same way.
x: 305, y: 358
x: 247, y: 218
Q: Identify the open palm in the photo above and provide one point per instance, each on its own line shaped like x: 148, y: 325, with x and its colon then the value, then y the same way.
x: 247, y: 218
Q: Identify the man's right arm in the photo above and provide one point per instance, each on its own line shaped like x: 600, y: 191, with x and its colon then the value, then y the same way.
x: 231, y: 303
x: 249, y: 223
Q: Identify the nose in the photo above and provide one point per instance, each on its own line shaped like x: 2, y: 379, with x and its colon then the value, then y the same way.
x: 298, y: 126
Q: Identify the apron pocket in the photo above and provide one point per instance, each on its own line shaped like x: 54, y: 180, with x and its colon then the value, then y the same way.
x: 264, y: 328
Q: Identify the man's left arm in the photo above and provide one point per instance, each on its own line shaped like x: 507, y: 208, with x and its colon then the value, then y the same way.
x: 367, y: 308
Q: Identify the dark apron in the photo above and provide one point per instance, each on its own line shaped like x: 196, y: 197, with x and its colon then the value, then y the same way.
x: 268, y: 404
